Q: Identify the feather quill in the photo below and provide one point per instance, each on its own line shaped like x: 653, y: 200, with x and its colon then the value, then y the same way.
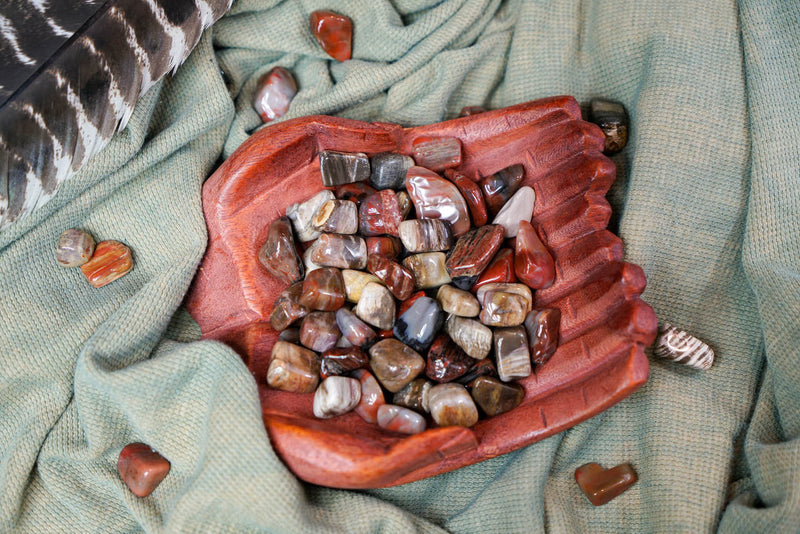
x: 70, y: 76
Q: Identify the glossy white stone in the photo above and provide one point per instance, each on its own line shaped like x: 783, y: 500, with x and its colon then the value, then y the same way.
x: 302, y: 215
x: 336, y: 395
x: 518, y: 208
x: 474, y: 338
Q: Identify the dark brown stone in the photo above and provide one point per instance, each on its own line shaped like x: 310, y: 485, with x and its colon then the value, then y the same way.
x: 495, y: 397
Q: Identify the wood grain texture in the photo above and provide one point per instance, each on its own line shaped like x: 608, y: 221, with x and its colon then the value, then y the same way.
x: 605, y: 326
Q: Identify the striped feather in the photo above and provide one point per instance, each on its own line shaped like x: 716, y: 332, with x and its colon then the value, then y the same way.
x: 71, y: 76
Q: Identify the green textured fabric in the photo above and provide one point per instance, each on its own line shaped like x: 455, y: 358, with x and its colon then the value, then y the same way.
x: 707, y: 201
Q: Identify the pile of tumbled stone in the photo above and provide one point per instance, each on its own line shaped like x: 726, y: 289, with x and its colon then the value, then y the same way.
x: 433, y: 311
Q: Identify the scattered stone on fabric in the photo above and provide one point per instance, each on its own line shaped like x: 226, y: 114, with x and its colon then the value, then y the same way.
x: 274, y: 93
x: 111, y: 260
x: 74, y: 248
x: 333, y: 32
x: 141, y: 468
x: 612, y: 118
x: 602, y: 485
x: 682, y: 347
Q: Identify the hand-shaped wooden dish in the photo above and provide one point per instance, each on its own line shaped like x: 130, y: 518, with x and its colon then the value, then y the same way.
x: 604, y: 328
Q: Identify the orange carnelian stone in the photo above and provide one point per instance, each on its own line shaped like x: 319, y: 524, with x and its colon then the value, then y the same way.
x: 111, y: 260
x: 334, y: 33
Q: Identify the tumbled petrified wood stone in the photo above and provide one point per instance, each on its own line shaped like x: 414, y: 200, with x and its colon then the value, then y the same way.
x: 437, y: 153
x: 287, y: 308
x: 336, y: 395
x: 380, y: 214
x: 386, y: 245
x: 500, y: 270
x: 426, y: 235
x: 394, y: 276
x: 302, y: 215
x: 682, y: 347
x: 318, y: 331
x: 495, y: 397
x: 355, y: 192
x: 414, y: 395
x: 473, y: 337
x: 342, y: 251
x: 232, y: 295
x: 458, y: 302
x: 342, y: 360
x: 111, y: 260
x: 74, y: 248
x: 499, y: 187
x: 446, y: 360
x: 389, y: 170
x: 404, y: 201
x: 533, y: 263
x: 279, y: 253
x: 337, y: 216
x: 520, y: 289
x: 542, y: 328
x: 472, y: 253
x: 394, y: 364
x: 333, y: 32
x: 399, y: 419
x: 338, y: 168
x: 275, y: 91
x: 419, y: 324
x: 501, y: 308
x: 518, y: 208
x: 293, y: 368
x: 376, y: 306
x: 451, y: 405
x: 471, y: 192
x: 484, y: 367
x: 323, y: 289
x: 511, y: 353
x: 141, y: 468
x: 437, y: 198
x: 371, y: 396
x: 612, y: 118
x: 354, y: 329
x: 354, y: 282
x: 601, y: 485
x: 309, y: 265
x: 428, y: 269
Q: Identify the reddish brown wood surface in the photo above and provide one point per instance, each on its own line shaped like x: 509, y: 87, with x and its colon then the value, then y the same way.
x: 605, y: 326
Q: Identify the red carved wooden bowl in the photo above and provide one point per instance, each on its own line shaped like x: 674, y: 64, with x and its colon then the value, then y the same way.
x: 604, y: 329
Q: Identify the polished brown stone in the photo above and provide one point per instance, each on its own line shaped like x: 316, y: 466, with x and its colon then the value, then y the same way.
x: 404, y: 201
x: 399, y: 419
x: 426, y: 235
x: 141, y: 468
x: 275, y: 91
x: 337, y: 217
x: 395, y: 364
x: 500, y: 270
x: 111, y: 260
x: 472, y: 194
x: 414, y: 395
x: 446, y: 360
x: 682, y: 347
x: 451, y: 405
x: 437, y: 198
x: 473, y: 337
x: 355, y: 192
x: 394, y: 276
x: 287, y: 308
x: 437, y: 153
x: 354, y: 329
x: 318, y: 331
x: 342, y: 360
x: 601, y: 485
x: 533, y: 263
x: 380, y: 214
x: 371, y: 396
x: 612, y: 118
x: 428, y: 269
x: 458, y: 302
x: 495, y: 397
x: 323, y: 289
x: 341, y: 251
x: 542, y: 327
x: 376, y: 306
x: 293, y: 368
x: 484, y: 367
x: 337, y: 168
x: 388, y: 246
x: 500, y: 186
x: 511, y: 353
x: 520, y: 289
x: 74, y: 248
x: 501, y: 308
x: 333, y: 32
x: 279, y: 253
x: 472, y: 253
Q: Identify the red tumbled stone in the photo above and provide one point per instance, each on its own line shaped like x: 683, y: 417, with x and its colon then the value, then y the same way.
x: 356, y: 191
x: 501, y: 270
x: 380, y: 214
x: 333, y: 32
x: 141, y: 468
x: 472, y: 253
x: 533, y: 263
x: 387, y: 246
x: 323, y: 289
x: 287, y: 308
x: 601, y: 485
x: 394, y: 276
x: 111, y: 260
x: 279, y: 254
x: 446, y: 360
x: 542, y: 327
x: 341, y: 360
x: 472, y: 195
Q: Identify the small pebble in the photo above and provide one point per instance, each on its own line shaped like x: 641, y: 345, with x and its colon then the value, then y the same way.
x: 111, y: 260
x: 74, y: 248
x: 141, y: 468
